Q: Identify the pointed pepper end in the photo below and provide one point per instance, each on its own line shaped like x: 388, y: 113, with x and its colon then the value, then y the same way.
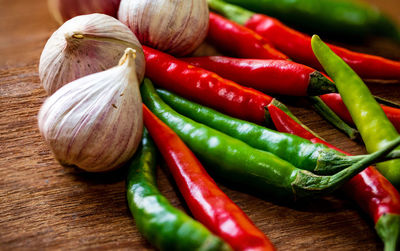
x: 388, y: 229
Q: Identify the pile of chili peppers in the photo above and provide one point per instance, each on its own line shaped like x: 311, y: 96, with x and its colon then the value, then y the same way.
x: 227, y: 129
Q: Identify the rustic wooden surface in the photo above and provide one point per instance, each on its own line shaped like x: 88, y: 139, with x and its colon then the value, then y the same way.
x: 46, y: 206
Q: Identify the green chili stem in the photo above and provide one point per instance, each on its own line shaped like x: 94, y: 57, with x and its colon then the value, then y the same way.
x: 386, y: 102
x: 331, y: 116
x: 291, y: 115
x: 305, y: 182
x: 319, y: 85
x: 232, y: 12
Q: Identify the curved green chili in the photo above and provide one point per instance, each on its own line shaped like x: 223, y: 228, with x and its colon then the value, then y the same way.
x: 300, y: 152
x: 242, y: 164
x: 374, y: 127
x: 163, y: 225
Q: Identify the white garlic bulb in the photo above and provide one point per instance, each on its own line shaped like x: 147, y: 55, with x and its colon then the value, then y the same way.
x: 174, y: 26
x: 95, y: 122
x: 85, y: 45
x: 63, y: 10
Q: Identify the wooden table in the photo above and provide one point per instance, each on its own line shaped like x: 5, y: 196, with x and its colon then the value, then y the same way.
x: 46, y: 206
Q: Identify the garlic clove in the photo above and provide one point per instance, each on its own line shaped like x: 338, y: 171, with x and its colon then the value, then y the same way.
x: 173, y: 26
x: 95, y: 122
x: 63, y: 10
x: 85, y: 45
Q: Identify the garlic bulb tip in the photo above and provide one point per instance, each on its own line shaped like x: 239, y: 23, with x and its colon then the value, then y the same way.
x: 129, y: 56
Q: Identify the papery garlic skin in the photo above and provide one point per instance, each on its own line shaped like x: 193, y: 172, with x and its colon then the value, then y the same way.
x: 85, y: 45
x: 63, y: 10
x: 95, y: 122
x: 177, y: 27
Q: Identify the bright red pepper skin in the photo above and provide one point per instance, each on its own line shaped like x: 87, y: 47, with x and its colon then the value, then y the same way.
x: 298, y: 47
x: 372, y: 184
x: 207, y: 202
x: 205, y: 87
x: 335, y: 102
x: 370, y: 189
x: 234, y: 39
x: 268, y: 75
x: 283, y: 124
x: 393, y: 115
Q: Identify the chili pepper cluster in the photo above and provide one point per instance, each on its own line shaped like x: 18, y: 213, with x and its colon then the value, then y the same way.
x: 215, y: 111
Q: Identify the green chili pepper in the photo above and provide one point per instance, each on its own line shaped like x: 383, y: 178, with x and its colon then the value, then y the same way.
x: 300, y: 152
x: 375, y: 128
x: 163, y: 225
x: 337, y: 17
x: 240, y: 163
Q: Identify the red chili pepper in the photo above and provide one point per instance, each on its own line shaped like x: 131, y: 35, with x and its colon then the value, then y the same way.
x: 268, y: 75
x: 205, y: 87
x: 239, y: 41
x: 207, y: 202
x: 370, y: 189
x: 335, y: 102
x: 298, y: 47
x: 283, y: 124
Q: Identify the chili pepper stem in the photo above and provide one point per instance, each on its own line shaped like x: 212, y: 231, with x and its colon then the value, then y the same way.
x: 393, y: 155
x: 291, y: 115
x: 331, y: 116
x: 388, y: 229
x: 319, y: 85
x: 234, y: 13
x: 330, y: 162
x: 387, y: 102
x: 268, y: 120
x: 306, y: 182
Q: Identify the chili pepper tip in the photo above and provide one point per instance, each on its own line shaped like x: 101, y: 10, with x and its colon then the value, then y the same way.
x: 388, y: 229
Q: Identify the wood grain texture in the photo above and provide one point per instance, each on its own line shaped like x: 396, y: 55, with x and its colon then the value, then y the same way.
x: 45, y: 206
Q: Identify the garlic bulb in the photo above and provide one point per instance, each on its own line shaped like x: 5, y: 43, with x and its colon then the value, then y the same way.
x: 63, y: 10
x: 85, y: 45
x: 175, y: 26
x: 95, y: 122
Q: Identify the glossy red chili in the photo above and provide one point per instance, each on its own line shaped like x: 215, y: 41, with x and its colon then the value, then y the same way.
x: 335, y: 102
x: 236, y: 40
x: 205, y: 87
x: 206, y: 201
x: 283, y: 124
x: 298, y: 47
x: 370, y: 189
x: 268, y: 75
